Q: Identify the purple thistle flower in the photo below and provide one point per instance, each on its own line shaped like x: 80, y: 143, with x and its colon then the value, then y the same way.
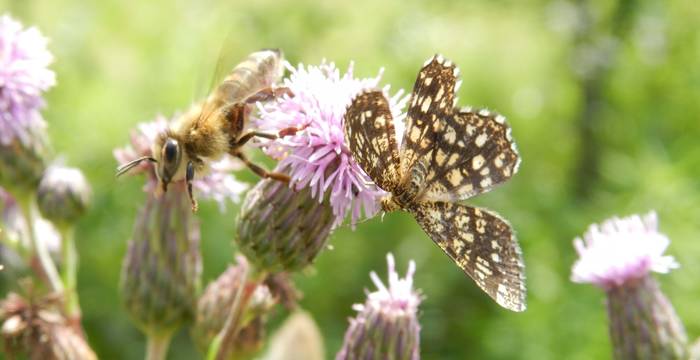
x: 620, y: 250
x: 218, y: 184
x: 24, y: 76
x: 317, y: 156
x: 618, y: 256
x: 386, y: 326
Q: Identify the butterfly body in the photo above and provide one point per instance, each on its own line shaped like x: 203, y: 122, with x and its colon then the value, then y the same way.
x: 447, y: 155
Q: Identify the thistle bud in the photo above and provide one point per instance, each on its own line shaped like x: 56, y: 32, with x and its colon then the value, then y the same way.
x: 37, y: 330
x: 386, y: 326
x: 281, y: 229
x: 618, y: 256
x: 64, y: 194
x: 215, y: 304
x: 161, y: 270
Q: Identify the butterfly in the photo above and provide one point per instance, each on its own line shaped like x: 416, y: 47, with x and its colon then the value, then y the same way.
x: 447, y: 155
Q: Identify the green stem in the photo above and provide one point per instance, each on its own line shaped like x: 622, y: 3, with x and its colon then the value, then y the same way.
x: 69, y: 270
x: 158, y: 346
x: 26, y: 204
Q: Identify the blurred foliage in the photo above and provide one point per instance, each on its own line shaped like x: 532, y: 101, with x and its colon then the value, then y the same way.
x: 602, y: 98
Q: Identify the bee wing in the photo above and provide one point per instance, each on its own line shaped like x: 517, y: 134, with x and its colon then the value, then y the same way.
x: 369, y: 133
x: 482, y: 244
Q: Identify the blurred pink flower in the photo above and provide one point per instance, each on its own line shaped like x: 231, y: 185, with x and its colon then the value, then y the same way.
x: 24, y: 76
x: 620, y: 250
x: 317, y: 155
x: 218, y: 184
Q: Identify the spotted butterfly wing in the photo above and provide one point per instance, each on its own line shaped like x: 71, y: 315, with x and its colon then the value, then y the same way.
x: 482, y: 244
x: 431, y: 101
x: 369, y: 130
x: 473, y: 153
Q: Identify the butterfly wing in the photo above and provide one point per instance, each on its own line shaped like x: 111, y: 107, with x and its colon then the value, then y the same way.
x: 369, y: 133
x: 474, y: 152
x: 482, y: 244
x: 431, y: 100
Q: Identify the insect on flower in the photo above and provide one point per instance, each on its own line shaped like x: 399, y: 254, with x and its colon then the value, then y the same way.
x: 447, y: 155
x: 216, y: 126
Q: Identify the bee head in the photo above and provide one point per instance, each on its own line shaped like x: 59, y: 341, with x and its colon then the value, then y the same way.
x: 170, y: 159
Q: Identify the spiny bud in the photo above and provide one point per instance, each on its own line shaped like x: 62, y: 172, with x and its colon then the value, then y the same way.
x: 215, y: 304
x: 37, y: 330
x: 161, y: 271
x: 64, y: 194
x: 281, y: 229
x: 386, y: 326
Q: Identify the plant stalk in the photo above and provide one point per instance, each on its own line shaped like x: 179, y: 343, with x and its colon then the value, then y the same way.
x: 69, y: 271
x: 48, y: 268
x: 157, y: 346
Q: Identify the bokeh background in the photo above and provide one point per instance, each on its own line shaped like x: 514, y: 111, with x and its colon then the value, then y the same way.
x: 603, y: 98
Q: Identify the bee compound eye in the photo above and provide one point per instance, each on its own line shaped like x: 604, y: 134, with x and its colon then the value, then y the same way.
x: 170, y: 150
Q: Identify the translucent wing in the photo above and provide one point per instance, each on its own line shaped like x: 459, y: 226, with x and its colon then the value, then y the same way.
x: 432, y: 100
x: 369, y: 132
x: 481, y: 244
x: 473, y: 152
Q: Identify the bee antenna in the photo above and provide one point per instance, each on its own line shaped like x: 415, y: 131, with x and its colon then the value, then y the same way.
x: 131, y: 164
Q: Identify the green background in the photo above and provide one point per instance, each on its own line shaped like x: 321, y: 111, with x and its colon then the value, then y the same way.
x: 603, y: 98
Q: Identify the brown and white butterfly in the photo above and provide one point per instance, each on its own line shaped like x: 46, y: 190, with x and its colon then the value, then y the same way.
x: 447, y: 155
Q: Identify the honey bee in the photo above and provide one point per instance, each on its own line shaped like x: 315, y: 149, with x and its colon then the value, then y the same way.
x: 216, y: 126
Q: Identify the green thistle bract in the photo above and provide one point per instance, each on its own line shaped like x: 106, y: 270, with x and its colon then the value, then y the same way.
x: 281, y: 229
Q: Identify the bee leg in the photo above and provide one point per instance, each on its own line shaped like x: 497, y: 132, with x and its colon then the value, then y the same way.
x: 260, y: 171
x: 268, y: 93
x: 188, y: 178
x: 251, y: 134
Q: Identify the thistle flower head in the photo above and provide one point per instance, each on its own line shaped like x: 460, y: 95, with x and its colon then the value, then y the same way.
x: 64, y: 194
x: 24, y: 76
x: 619, y: 250
x: 386, y: 326
x: 218, y: 184
x: 317, y: 156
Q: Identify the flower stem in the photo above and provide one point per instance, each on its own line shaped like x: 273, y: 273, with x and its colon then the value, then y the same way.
x: 69, y: 270
x: 157, y: 346
x: 26, y: 204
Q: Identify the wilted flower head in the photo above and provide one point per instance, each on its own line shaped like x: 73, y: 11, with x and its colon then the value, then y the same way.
x: 214, y: 306
x: 35, y: 329
x: 24, y: 76
x: 620, y: 250
x: 64, y: 194
x: 386, y: 326
x: 317, y: 156
x: 218, y: 184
